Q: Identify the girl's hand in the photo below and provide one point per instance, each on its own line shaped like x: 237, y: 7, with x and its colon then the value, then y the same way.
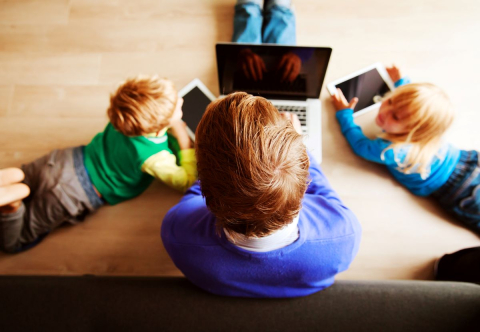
x: 394, y: 73
x: 340, y: 102
x: 179, y: 130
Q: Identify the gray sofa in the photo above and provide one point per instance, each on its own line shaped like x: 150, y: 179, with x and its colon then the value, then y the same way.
x: 90, y: 303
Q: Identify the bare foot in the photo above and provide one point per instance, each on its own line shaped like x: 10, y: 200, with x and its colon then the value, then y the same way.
x: 11, y: 190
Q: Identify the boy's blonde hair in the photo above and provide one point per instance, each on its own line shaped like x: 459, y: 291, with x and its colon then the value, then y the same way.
x: 142, y: 105
x: 252, y: 165
x: 427, y: 112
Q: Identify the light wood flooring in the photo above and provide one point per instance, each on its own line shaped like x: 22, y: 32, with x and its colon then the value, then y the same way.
x: 60, y: 59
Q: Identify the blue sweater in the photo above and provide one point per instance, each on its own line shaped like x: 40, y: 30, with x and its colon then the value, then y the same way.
x: 329, y: 238
x: 441, y: 166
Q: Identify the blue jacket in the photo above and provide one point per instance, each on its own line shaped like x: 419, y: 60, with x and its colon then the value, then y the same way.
x: 441, y: 166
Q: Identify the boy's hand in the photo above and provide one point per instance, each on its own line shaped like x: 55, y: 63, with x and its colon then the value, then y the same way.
x: 11, y: 190
x: 394, y: 73
x: 340, y: 102
x: 293, y: 118
x: 179, y: 130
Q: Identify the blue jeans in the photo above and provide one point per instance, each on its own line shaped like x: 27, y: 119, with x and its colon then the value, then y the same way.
x: 460, y: 195
x: 275, y: 26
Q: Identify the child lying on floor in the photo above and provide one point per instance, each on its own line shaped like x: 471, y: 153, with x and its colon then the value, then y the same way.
x: 117, y: 165
x: 414, y: 118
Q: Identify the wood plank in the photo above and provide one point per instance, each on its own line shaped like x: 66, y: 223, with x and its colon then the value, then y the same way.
x: 6, y: 97
x: 34, y: 11
x: 150, y: 11
x: 164, y: 34
x: 193, y: 63
x: 61, y: 101
x: 49, y: 69
x: 25, y: 139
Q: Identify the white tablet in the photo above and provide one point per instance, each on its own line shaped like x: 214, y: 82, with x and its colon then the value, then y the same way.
x: 196, y: 98
x: 369, y: 85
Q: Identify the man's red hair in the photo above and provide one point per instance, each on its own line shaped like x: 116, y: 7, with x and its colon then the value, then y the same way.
x: 252, y: 165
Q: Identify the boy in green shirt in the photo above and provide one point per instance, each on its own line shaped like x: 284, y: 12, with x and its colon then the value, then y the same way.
x: 118, y: 164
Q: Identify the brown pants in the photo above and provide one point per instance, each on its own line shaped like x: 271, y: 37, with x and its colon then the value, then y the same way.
x: 56, y: 197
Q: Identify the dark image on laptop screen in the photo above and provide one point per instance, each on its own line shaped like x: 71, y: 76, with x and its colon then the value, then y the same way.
x: 272, y: 71
x: 368, y: 87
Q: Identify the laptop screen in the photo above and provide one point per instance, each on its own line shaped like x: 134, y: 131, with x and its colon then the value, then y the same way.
x: 272, y: 71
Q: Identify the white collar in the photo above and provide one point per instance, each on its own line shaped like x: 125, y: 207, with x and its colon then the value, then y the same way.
x: 279, y: 239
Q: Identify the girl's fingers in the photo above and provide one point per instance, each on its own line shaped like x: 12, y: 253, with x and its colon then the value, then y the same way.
x: 337, y: 103
x: 353, y: 103
x: 341, y: 96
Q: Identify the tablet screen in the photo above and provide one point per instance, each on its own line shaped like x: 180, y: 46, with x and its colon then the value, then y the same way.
x: 194, y: 104
x: 368, y: 87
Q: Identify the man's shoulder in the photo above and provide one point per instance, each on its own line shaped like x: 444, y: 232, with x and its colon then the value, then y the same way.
x: 331, y: 232
x: 189, y: 223
x: 328, y: 222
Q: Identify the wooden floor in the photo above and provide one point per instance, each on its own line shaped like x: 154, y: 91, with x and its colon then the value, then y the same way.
x: 59, y: 60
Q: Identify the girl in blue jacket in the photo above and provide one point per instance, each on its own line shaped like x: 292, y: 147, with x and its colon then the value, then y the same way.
x: 414, y: 118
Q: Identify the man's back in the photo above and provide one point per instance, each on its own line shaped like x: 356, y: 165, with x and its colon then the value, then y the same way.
x: 329, y: 237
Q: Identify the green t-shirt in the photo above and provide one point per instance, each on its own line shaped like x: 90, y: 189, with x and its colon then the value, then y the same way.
x: 114, y: 162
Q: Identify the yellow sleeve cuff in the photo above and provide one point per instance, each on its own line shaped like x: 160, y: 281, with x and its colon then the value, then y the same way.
x: 187, y: 155
x: 163, y: 166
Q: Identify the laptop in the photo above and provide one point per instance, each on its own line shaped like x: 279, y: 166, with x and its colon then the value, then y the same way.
x: 291, y: 77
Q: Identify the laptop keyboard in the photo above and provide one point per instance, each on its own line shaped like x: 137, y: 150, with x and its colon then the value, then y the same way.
x: 300, y: 111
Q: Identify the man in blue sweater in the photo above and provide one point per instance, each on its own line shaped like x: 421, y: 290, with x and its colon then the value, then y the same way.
x: 268, y: 224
